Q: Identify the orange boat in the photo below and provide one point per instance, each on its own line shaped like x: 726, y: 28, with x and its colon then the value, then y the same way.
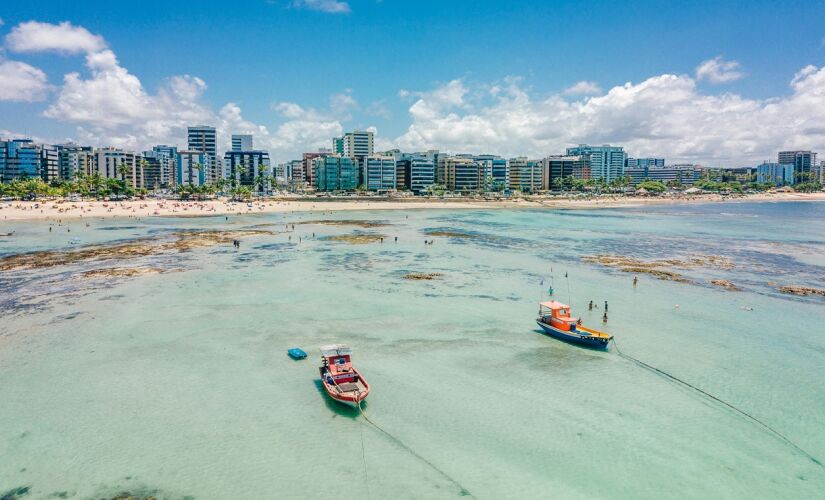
x: 341, y: 380
x: 554, y: 318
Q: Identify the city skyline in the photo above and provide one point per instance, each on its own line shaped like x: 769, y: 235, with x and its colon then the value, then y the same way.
x: 76, y: 75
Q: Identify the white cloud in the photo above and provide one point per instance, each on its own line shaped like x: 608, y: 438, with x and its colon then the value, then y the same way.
x: 664, y: 115
x: 22, y: 82
x: 33, y: 36
x: 328, y: 6
x: 111, y: 106
x: 717, y: 70
x: 2, y: 22
x: 307, y: 129
x: 583, y: 87
x: 342, y: 102
x: 379, y: 108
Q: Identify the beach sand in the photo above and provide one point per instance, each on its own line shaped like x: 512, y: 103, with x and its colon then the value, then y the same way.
x: 62, y: 209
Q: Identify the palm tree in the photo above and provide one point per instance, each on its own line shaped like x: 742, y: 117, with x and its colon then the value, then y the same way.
x: 123, y: 169
x: 195, y: 166
x: 261, y: 179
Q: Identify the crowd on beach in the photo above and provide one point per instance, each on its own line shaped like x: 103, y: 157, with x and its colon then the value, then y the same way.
x: 19, y: 210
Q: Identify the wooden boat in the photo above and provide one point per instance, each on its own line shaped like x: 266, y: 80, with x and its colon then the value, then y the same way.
x: 554, y: 318
x: 341, y: 380
x: 296, y: 353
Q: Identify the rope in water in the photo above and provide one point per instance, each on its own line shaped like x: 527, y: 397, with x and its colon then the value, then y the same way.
x: 462, y: 490
x: 747, y: 415
x: 363, y: 451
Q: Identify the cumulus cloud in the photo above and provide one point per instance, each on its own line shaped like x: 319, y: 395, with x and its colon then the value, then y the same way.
x: 112, y: 105
x: 717, y: 70
x: 664, y: 115
x: 22, y: 82
x: 328, y: 6
x: 379, y: 108
x: 307, y: 129
x: 33, y: 36
x: 342, y: 102
x: 583, y: 88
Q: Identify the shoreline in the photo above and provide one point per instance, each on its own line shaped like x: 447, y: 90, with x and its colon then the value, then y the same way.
x: 63, y: 209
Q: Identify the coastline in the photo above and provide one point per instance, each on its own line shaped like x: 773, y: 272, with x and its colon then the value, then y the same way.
x: 63, y: 209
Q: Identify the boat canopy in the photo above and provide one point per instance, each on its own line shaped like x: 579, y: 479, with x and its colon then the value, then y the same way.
x: 336, y: 350
x: 554, y: 305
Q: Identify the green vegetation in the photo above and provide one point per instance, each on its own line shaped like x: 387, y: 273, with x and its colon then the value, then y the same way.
x: 91, y: 186
x: 652, y: 186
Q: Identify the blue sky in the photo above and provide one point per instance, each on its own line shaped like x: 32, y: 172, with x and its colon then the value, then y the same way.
x: 450, y: 75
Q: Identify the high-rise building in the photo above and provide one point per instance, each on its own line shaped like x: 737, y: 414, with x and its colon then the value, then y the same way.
x: 202, y: 138
x: 525, y: 175
x: 19, y: 158
x: 192, y: 168
x: 358, y: 144
x: 683, y: 174
x: 244, y: 167
x: 114, y: 163
x: 49, y: 162
x: 606, y: 162
x: 295, y: 173
x: 334, y: 173
x: 803, y: 163
x: 309, y: 169
x: 495, y: 172
x: 555, y: 168
x: 644, y: 162
x: 242, y: 142
x: 167, y: 156
x: 338, y: 145
x: 415, y: 172
x: 379, y: 173
x: 75, y: 161
x: 460, y: 173
x: 776, y: 173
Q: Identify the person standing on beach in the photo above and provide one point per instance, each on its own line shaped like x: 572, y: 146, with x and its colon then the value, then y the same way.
x: 605, y: 308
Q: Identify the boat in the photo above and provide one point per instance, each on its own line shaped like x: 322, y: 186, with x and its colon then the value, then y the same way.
x: 554, y: 318
x: 296, y: 353
x: 341, y: 380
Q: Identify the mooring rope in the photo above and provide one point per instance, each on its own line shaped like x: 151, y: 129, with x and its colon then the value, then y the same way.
x: 462, y: 490
x: 747, y: 415
x: 363, y: 449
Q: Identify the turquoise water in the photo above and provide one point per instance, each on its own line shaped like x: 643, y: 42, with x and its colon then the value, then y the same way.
x: 178, y: 384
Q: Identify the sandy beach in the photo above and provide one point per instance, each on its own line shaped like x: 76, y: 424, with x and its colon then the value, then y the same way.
x: 61, y: 209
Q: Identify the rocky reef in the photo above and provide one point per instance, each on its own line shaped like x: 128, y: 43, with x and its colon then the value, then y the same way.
x: 662, y: 269
x: 121, y: 272
x: 181, y: 241
x: 727, y: 285
x: 450, y: 234
x: 366, y: 224
x: 357, y: 238
x: 422, y: 276
x: 802, y: 290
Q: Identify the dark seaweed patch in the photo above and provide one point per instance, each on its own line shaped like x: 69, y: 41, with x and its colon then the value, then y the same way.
x: 15, y: 493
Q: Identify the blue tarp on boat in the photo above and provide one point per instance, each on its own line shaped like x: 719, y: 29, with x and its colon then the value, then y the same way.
x: 296, y: 353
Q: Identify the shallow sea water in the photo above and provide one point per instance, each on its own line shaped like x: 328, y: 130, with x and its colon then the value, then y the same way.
x: 178, y: 384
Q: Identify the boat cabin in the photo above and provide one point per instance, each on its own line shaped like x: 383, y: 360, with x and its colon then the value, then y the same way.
x: 557, y: 315
x: 336, y: 360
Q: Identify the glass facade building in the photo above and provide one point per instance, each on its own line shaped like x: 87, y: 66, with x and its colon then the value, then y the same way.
x: 379, y: 172
x: 525, y: 175
x: 245, y: 166
x: 335, y: 173
x: 776, y: 173
x: 606, y: 162
x: 19, y: 158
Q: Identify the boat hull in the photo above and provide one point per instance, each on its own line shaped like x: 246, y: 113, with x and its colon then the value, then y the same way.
x: 573, y: 337
x: 349, y: 398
